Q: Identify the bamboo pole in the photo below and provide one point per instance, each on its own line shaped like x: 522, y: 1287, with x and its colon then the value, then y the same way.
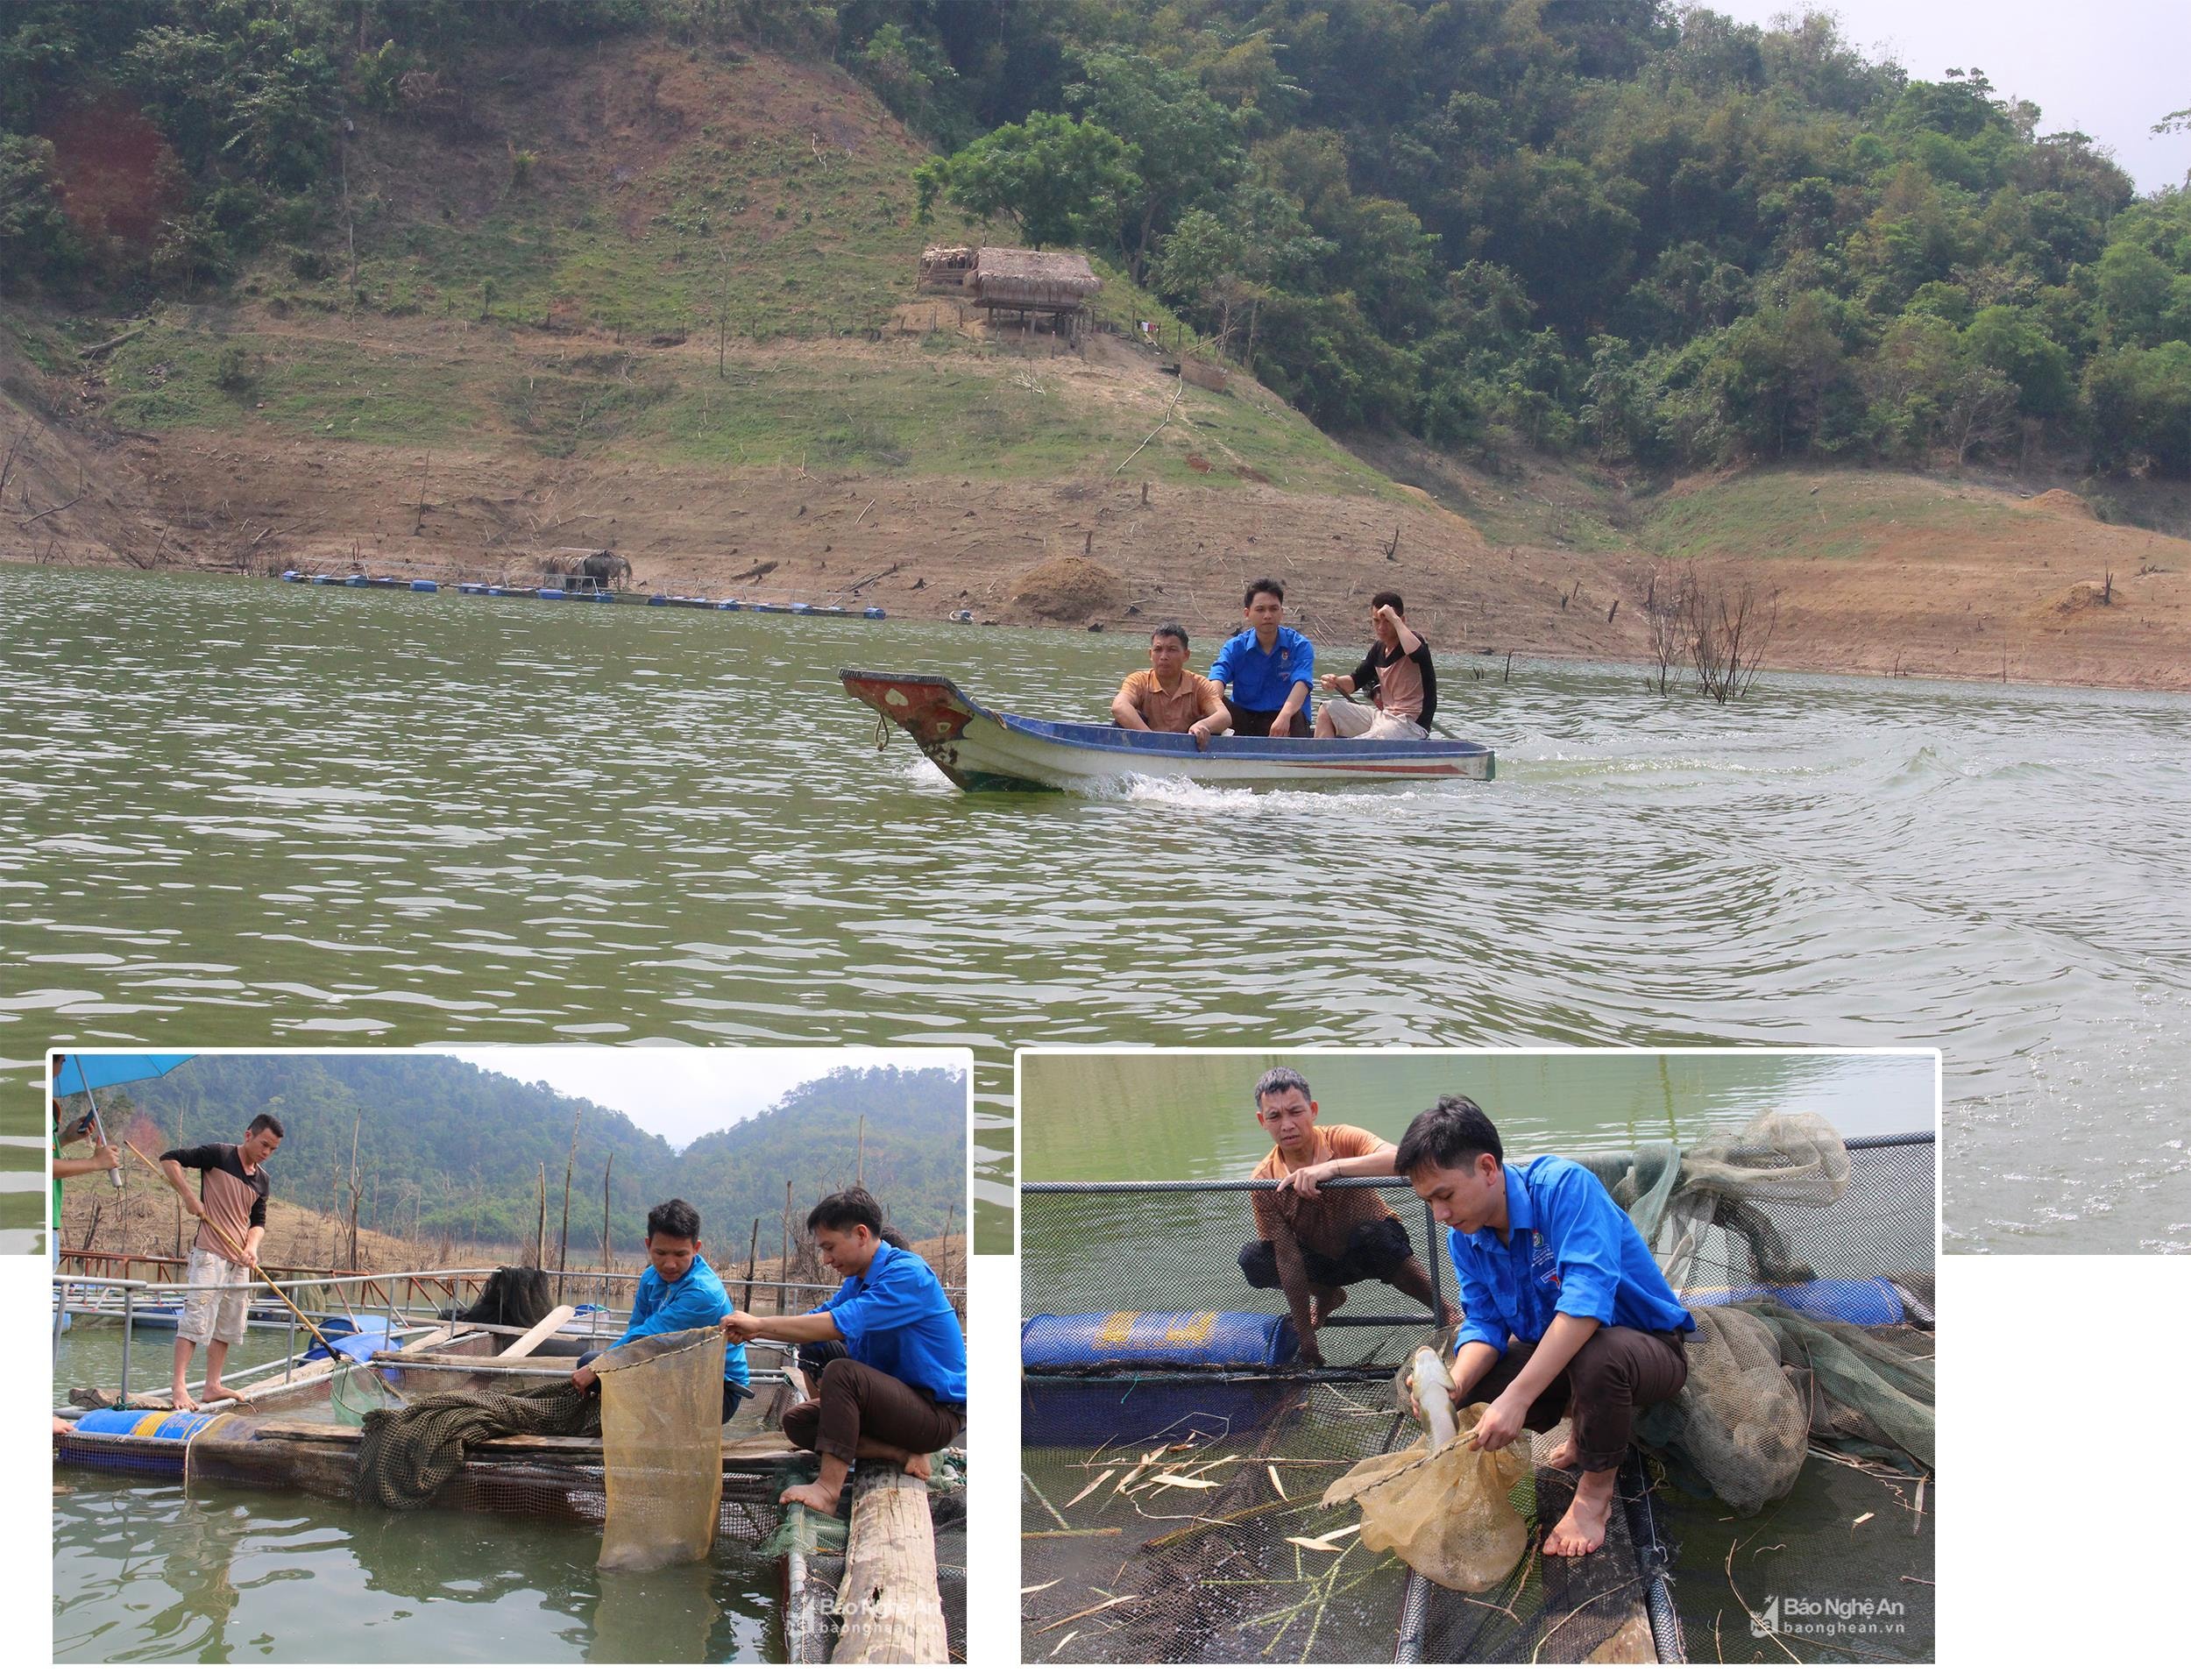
x: 570, y: 1164
x: 605, y: 1167
x: 784, y: 1271
x: 752, y: 1258
x: 540, y: 1238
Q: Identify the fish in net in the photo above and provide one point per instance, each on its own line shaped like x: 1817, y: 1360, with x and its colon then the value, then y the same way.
x: 1448, y: 1510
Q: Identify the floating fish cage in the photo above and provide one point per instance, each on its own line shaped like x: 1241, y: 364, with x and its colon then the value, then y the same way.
x: 598, y: 596
x: 1175, y: 1449
x: 304, y: 1435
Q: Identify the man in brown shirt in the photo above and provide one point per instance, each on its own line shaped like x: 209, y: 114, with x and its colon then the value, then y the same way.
x: 230, y: 1207
x: 1169, y: 698
x: 1312, y: 1242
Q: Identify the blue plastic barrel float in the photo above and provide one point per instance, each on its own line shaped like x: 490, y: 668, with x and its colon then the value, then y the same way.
x: 551, y: 594
x: 423, y: 586
x: 158, y: 1426
x: 294, y: 577
x: 1845, y: 1301
x: 358, y: 580
x: 1143, y: 1376
x: 874, y: 613
x: 732, y: 605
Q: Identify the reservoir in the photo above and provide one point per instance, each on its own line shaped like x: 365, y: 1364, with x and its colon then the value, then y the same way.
x: 241, y: 812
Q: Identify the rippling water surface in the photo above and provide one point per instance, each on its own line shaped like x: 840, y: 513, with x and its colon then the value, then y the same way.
x: 246, y: 813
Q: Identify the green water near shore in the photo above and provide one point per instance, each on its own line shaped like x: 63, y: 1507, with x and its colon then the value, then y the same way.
x: 246, y: 812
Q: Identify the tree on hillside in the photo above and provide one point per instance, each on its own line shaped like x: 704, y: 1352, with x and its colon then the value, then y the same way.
x: 1182, y: 145
x: 1061, y: 181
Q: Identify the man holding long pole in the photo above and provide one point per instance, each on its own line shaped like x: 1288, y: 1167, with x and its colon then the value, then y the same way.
x: 230, y: 1209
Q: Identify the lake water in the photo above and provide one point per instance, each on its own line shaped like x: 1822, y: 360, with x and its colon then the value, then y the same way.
x: 243, y: 812
x: 148, y: 1572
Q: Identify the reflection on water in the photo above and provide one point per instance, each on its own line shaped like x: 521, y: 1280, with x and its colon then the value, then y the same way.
x: 252, y: 811
x: 149, y: 1573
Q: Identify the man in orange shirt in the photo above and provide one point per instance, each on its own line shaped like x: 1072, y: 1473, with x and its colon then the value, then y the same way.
x: 1312, y: 1242
x: 1169, y: 698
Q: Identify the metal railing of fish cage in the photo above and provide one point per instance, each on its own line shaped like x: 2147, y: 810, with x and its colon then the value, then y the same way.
x: 607, y: 1325
x: 1171, y: 1245
x: 1231, y: 1291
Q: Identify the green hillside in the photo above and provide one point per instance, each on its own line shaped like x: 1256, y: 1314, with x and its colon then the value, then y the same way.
x: 1606, y: 228
x: 454, y: 1150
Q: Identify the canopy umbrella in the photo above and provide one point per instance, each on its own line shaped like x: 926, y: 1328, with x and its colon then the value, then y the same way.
x: 71, y: 1079
x: 81, y: 1074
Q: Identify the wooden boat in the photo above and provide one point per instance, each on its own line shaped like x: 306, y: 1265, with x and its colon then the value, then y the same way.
x: 987, y: 751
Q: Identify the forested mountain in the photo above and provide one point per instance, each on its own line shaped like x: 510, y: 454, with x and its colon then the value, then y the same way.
x: 449, y: 1148
x: 1593, y: 227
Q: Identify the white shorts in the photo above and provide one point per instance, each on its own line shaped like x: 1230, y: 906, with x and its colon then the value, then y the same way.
x: 1358, y: 719
x: 215, y: 1315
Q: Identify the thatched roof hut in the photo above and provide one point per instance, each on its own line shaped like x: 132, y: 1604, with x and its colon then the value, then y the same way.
x: 1055, y: 282
x: 948, y: 267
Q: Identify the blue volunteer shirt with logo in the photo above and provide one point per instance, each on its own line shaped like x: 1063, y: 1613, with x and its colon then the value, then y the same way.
x: 894, y: 1317
x: 695, y: 1301
x: 1569, y: 1249
x: 1261, y: 681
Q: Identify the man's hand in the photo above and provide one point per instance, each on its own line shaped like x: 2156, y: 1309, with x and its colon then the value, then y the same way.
x: 741, y: 1328
x: 107, y: 1157
x: 192, y: 1206
x: 1200, y: 730
x: 1387, y: 618
x: 582, y: 1378
x: 1330, y: 683
x: 1501, y: 1423
x: 1309, y: 1181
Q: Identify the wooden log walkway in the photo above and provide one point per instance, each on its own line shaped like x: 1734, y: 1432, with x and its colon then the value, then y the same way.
x: 890, y: 1608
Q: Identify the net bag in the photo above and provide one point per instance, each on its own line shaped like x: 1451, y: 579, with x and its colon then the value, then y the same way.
x: 1449, y: 1514
x: 661, y: 1439
x: 1738, y: 1421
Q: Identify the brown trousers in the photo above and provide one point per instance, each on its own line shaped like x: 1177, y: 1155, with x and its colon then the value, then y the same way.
x: 857, y: 1400
x: 1611, y: 1376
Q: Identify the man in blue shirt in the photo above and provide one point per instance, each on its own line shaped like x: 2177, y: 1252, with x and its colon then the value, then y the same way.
x: 679, y: 1291
x: 1269, y: 666
x: 899, y: 1392
x: 1568, y: 1315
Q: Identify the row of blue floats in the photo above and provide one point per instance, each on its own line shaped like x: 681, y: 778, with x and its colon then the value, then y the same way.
x: 606, y: 598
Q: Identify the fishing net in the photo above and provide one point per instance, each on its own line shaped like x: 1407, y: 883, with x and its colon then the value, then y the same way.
x: 1449, y: 1513
x: 1798, y: 1339
x: 661, y: 1443
x: 405, y: 1457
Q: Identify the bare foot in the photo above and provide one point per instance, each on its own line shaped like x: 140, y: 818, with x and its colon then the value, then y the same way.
x: 1323, y: 1303
x: 1583, y: 1529
x: 181, y: 1397
x: 917, y: 1464
x: 218, y: 1390
x: 824, y: 1499
x: 1563, y: 1455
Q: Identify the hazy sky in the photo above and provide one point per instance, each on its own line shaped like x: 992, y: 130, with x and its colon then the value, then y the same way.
x: 2110, y: 68
x: 680, y: 1094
